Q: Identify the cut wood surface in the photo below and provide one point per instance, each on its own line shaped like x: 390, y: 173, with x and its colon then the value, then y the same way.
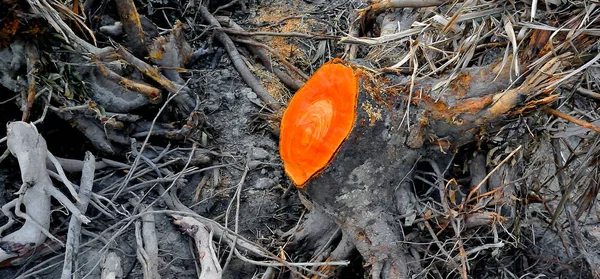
x: 356, y: 177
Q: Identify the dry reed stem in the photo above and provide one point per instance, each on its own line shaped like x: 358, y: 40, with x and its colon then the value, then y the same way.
x: 572, y: 119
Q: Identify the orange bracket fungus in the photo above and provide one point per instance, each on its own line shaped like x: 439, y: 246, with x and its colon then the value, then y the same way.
x: 318, y: 119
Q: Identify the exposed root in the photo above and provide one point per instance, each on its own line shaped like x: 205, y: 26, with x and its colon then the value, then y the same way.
x: 111, y: 265
x: 132, y: 26
x: 314, y: 232
x: 30, y: 149
x: 209, y: 261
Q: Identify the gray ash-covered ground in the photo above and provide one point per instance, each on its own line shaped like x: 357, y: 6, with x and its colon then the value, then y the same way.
x: 241, y: 139
x: 267, y: 206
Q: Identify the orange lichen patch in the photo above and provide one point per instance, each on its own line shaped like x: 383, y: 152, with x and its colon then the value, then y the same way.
x: 156, y: 49
x: 461, y: 84
x: 8, y: 29
x: 184, y: 47
x: 539, y: 39
x: 440, y: 110
x: 373, y: 113
x: 381, y: 90
x: 503, y: 102
x: 287, y: 18
x: 12, y: 27
x: 317, y: 121
x: 274, y: 15
x: 472, y: 105
x: 284, y: 18
x: 283, y: 44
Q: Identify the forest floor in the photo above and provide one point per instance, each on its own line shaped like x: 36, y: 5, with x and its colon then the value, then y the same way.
x: 242, y: 185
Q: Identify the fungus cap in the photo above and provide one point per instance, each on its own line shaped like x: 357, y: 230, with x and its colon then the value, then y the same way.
x: 317, y: 121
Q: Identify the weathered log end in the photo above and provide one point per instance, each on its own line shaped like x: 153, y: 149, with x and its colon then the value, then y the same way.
x: 354, y: 159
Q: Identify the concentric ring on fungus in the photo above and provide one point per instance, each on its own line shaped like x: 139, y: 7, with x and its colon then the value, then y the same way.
x: 318, y: 119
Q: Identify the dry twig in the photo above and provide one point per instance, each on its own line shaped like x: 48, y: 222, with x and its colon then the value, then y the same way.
x: 572, y: 119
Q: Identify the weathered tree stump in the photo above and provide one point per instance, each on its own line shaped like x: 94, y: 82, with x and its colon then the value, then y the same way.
x: 359, y: 173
